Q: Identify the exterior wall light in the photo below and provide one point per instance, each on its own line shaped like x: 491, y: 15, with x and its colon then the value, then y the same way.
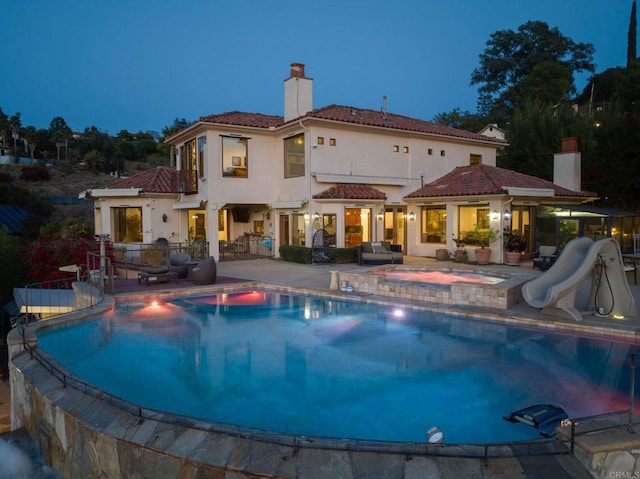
x: 412, y: 216
x: 380, y: 215
x: 164, y: 217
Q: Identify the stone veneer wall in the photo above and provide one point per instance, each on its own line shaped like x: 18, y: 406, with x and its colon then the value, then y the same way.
x: 503, y: 295
x: 85, y: 438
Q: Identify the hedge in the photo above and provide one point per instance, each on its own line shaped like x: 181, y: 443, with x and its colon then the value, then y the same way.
x: 302, y: 254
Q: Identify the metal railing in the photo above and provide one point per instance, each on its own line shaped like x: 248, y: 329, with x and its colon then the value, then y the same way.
x: 247, y: 246
x: 47, y: 299
x: 138, y: 256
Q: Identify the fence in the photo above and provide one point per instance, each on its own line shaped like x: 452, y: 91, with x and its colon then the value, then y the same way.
x: 47, y: 299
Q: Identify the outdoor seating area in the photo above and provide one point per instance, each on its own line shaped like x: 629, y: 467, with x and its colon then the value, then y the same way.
x: 159, y: 275
x: 380, y: 252
x: 544, y: 257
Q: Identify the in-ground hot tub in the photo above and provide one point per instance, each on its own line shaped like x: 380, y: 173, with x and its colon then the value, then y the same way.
x: 459, y: 286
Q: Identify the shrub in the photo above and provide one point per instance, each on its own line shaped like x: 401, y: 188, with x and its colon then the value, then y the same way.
x: 343, y: 255
x: 5, y: 177
x: 302, y: 254
x: 35, y: 173
x: 295, y: 254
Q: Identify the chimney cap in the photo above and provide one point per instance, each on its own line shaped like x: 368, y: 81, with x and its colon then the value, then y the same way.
x: 570, y: 145
x: 297, y: 70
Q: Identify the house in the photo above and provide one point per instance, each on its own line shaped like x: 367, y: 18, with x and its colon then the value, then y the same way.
x: 492, y: 130
x: 361, y: 174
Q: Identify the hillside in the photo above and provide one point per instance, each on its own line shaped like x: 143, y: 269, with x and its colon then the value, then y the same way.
x: 65, y: 181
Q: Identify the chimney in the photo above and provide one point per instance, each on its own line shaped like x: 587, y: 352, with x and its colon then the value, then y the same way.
x: 298, y: 93
x: 297, y: 70
x: 567, y: 165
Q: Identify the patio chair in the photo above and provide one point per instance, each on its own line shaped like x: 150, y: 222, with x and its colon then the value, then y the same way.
x: 320, y: 247
x: 205, y: 271
x: 544, y: 257
x: 177, y: 263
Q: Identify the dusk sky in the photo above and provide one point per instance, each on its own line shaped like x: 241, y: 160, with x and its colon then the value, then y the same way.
x: 137, y: 65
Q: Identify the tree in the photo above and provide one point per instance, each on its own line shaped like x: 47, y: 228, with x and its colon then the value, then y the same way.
x: 60, y: 134
x: 15, y: 124
x: 632, y: 35
x: 31, y: 137
x: 535, y: 133
x: 515, y: 65
x: 463, y: 120
x: 4, y: 128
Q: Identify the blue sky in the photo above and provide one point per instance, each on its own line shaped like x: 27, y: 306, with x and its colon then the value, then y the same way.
x: 137, y: 65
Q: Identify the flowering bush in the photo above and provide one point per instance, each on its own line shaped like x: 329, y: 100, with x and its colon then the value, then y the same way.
x: 45, y: 256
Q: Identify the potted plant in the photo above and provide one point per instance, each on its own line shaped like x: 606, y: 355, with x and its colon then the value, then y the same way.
x: 514, y: 246
x: 460, y: 254
x: 482, y: 237
x: 119, y: 252
x: 442, y: 254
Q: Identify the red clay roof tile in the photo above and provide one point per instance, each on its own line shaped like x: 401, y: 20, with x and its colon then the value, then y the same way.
x: 239, y: 118
x: 155, y: 180
x: 349, y: 114
x: 488, y: 180
x: 351, y: 191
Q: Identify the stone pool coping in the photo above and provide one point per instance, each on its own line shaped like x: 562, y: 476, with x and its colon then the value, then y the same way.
x: 84, y: 436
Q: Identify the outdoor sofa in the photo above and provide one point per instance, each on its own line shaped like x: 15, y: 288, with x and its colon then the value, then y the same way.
x: 379, y: 252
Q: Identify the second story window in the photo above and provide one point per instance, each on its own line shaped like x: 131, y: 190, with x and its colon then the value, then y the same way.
x: 202, y: 158
x: 189, y: 159
x: 294, y: 156
x: 235, y: 157
x: 475, y: 159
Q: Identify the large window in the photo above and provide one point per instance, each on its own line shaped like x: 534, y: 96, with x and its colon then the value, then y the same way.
x: 189, y: 159
x: 329, y: 222
x: 235, y: 157
x: 294, y: 156
x: 357, y: 226
x: 202, y: 141
x: 127, y: 224
x: 299, y: 229
x: 472, y: 218
x: 433, y: 225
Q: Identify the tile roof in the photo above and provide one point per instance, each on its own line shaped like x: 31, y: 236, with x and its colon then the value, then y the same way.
x: 161, y: 179
x: 352, y: 115
x: 239, y: 118
x: 359, y: 116
x: 351, y: 191
x: 488, y: 180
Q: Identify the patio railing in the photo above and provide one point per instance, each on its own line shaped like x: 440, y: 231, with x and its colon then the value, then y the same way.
x: 47, y: 299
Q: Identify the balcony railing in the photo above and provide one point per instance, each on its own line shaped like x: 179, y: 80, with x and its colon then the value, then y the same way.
x: 186, y: 182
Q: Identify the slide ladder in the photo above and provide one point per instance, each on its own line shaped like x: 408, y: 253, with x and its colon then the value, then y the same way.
x: 555, y: 290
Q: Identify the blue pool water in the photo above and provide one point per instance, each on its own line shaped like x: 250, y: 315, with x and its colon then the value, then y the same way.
x: 314, y: 367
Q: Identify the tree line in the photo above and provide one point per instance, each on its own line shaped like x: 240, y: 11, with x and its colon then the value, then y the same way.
x: 526, y: 86
x: 91, y: 148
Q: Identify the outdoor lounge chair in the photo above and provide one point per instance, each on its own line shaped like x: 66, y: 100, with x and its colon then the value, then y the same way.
x: 177, y: 263
x: 205, y: 271
x: 544, y: 257
x: 320, y: 247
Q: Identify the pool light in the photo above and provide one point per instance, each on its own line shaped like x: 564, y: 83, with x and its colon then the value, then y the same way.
x: 398, y: 313
x: 435, y: 435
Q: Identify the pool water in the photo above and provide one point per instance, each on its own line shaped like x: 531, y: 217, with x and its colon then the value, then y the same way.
x: 316, y: 367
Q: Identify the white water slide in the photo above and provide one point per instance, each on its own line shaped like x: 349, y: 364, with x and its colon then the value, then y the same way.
x: 555, y: 290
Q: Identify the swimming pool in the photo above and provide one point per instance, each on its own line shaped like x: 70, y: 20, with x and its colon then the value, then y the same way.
x: 317, y: 367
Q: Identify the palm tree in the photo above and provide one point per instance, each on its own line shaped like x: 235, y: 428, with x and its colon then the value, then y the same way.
x: 60, y: 134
